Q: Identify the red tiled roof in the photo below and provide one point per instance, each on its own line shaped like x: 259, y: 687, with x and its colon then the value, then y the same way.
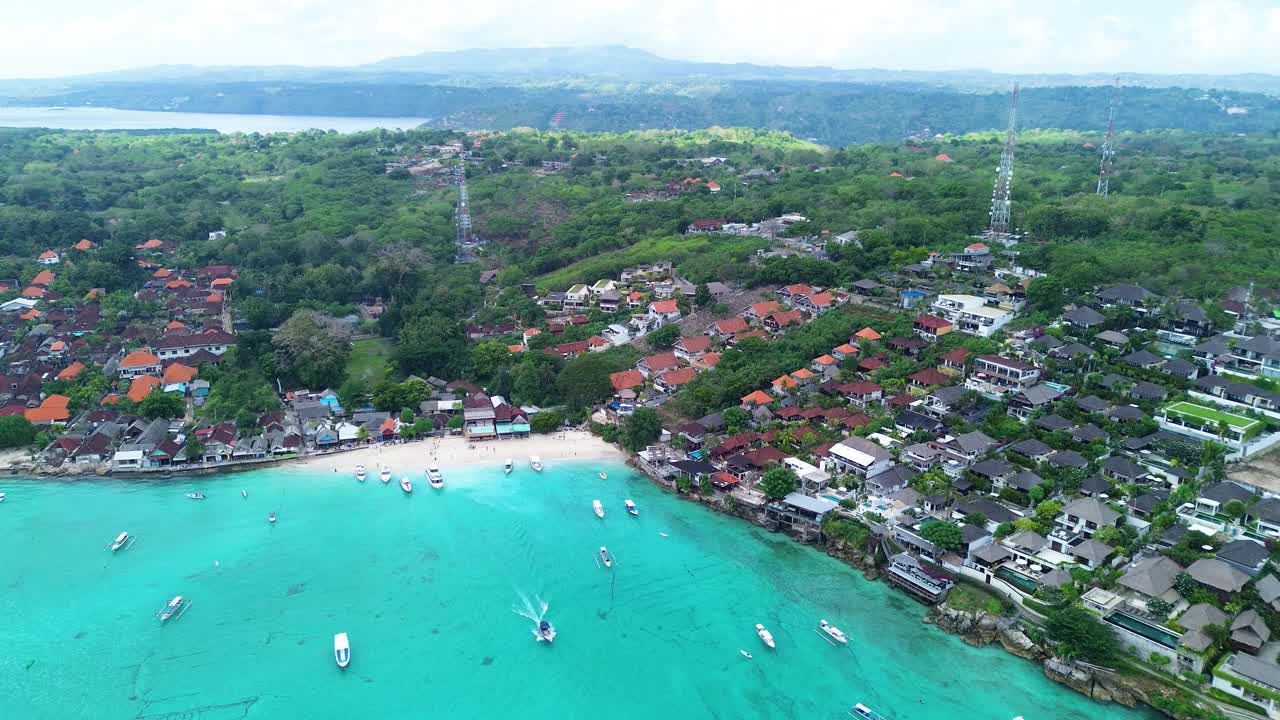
x: 48, y: 255
x: 929, y: 377
x: 84, y: 245
x: 676, y: 378
x: 862, y: 387
x: 825, y: 360
x: 759, y: 397
x: 139, y: 358
x: 660, y: 361
x: 626, y: 379
x: 822, y: 299
x: 664, y: 306
x: 932, y: 322
x: 761, y: 309
x: 142, y: 385
x: 695, y: 344
x: 786, y: 381
x: 783, y: 319
x: 42, y: 278
x: 71, y: 371
x: 867, y: 333
x: 179, y: 373
x: 957, y: 356
x: 730, y: 326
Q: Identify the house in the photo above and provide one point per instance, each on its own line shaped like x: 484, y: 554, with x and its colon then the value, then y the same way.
x: 1151, y: 579
x: 1085, y: 516
x: 1141, y: 300
x: 1213, y: 498
x: 691, y: 347
x: 778, y: 321
x: 577, y: 296
x: 909, y: 422
x: 997, y: 375
x: 819, y: 303
x: 662, y: 312
x: 1113, y: 338
x: 919, y: 581
x: 53, y: 409
x: 657, y: 363
x: 1218, y: 576
x: 139, y: 362
x: 954, y: 361
x: 863, y: 393
x: 673, y: 380
x: 931, y: 327
x: 857, y: 456
x: 479, y: 418
x: 944, y: 401
x: 1084, y: 317
x: 1068, y: 459
x: 1028, y: 401
x: 49, y: 257
x: 1245, y: 555
x: 982, y: 321
x: 759, y: 311
x: 626, y: 380
x: 1242, y: 675
x: 1032, y: 449
x: 798, y: 513
x: 1121, y: 469
x: 790, y: 293
x: 706, y: 226
x: 1143, y: 359
x: 927, y: 378
x: 727, y: 328
x: 889, y: 481
x: 174, y: 346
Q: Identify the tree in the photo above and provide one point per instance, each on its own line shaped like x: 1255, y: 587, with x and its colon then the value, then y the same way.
x: 975, y: 519
x: 312, y: 349
x: 943, y: 534
x: 406, y: 417
x: 487, y: 358
x: 1077, y: 632
x: 702, y: 296
x: 736, y: 419
x: 584, y: 380
x: 547, y: 421
x: 1233, y: 509
x: 641, y: 429
x: 159, y: 404
x: 665, y: 337
x: 16, y: 431
x: 194, y: 449
x: 456, y: 422
x: 362, y: 434
x: 431, y: 345
x: 778, y: 482
x: 1160, y: 608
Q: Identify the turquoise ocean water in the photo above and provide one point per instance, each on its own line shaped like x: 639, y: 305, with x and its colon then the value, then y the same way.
x: 425, y: 586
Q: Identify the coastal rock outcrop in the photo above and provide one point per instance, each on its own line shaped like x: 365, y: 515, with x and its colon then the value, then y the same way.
x: 1096, y: 684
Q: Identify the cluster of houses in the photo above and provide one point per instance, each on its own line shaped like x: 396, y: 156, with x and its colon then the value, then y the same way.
x: 1111, y: 408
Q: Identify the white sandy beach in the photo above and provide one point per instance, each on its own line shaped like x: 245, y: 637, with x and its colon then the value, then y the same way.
x: 457, y: 451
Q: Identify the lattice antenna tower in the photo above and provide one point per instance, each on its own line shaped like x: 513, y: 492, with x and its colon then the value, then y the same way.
x: 1105, y: 169
x: 1001, y: 196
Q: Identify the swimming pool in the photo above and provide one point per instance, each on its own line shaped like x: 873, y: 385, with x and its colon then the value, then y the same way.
x: 832, y: 498
x: 1025, y: 583
x: 1143, y: 628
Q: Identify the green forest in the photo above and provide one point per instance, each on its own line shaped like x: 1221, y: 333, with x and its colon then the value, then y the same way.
x: 316, y: 222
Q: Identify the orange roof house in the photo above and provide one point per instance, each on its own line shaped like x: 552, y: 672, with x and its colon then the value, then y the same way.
x: 162, y: 273
x: 48, y: 255
x: 53, y: 409
x: 895, y: 174
x: 31, y: 314
x: 221, y: 283
x: 33, y: 292
x: 179, y: 373
x: 138, y: 359
x: 57, y: 346
x: 676, y: 378
x: 515, y: 348
x: 943, y: 157
x: 867, y: 333
x: 825, y: 360
x: 802, y: 374
x: 72, y: 371
x: 151, y: 244
x: 784, y: 382
x: 214, y: 298
x: 175, y: 325
x: 847, y: 349
x: 84, y: 245
x: 759, y: 397
x: 142, y: 386
x: 626, y: 380
x: 43, y: 278
x: 111, y: 399
x: 177, y: 284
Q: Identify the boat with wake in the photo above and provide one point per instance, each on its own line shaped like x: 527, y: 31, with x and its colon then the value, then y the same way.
x: 197, y: 495
x: 833, y: 632
x: 360, y: 473
x: 405, y: 485
x: 546, y: 631
x: 174, y: 608
x: 244, y: 494
x: 535, y: 462
x: 1, y: 497
x: 865, y: 713
x: 604, y: 557
x: 603, y: 476
x: 123, y: 540
x: 765, y: 635
x: 385, y: 474
x: 435, y: 477
x: 747, y: 655
x: 631, y: 508
x: 506, y: 467
x: 597, y: 508
x: 341, y: 650
x: 271, y: 517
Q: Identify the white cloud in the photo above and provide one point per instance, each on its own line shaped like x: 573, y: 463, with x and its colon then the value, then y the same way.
x: 1004, y: 35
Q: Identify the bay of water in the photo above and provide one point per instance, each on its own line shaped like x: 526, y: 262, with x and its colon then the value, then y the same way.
x: 98, y: 118
x: 425, y: 585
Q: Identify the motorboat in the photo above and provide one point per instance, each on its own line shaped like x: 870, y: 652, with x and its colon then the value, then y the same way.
x: 603, y: 476
x: 765, y: 635
x: 244, y: 494
x: 746, y: 655
x: 546, y: 631
x: 360, y: 474
x: 405, y: 485
x: 631, y: 508
x: 173, y: 608
x: 862, y: 711
x: 1, y: 497
x: 196, y: 495
x: 434, y: 477
x: 506, y: 468
x: 121, y: 540
x: 271, y: 517
x: 604, y: 557
x: 535, y: 462
x: 598, y: 508
x: 341, y: 650
x: 833, y: 632
x: 385, y: 474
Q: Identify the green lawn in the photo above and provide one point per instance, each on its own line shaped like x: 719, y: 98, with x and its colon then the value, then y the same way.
x: 1200, y: 412
x: 969, y: 599
x: 368, y: 361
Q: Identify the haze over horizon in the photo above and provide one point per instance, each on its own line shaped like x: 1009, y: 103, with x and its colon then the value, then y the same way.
x: 1080, y: 36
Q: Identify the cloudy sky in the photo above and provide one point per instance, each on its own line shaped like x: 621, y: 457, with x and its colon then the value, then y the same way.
x: 64, y: 37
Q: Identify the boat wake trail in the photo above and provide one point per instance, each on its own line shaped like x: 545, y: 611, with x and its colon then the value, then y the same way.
x: 535, y: 609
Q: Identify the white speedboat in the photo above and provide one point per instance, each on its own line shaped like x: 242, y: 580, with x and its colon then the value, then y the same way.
x: 833, y: 632
x: 341, y: 650
x: 546, y: 631
x: 360, y: 473
x: 405, y: 485
x: 196, y: 495
x: 603, y: 476
x: 535, y: 462
x: 1, y: 497
x: 121, y: 540
x: 598, y: 508
x: 764, y: 635
x: 631, y: 508
x: 435, y: 477
x: 746, y: 654
x: 385, y: 474
x: 506, y: 468
x: 604, y: 557
x: 244, y: 494
x: 173, y: 608
x: 865, y: 713
x: 271, y: 517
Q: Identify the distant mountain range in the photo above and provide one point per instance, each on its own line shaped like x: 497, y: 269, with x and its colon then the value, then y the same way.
x: 622, y: 88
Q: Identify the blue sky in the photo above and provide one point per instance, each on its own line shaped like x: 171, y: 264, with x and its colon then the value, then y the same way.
x: 1228, y: 36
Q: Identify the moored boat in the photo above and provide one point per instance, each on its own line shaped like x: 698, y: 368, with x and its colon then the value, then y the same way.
x: 765, y: 635
x: 603, y: 476
x: 197, y: 495
x: 360, y: 473
x: 1, y: 497
x: 120, y: 541
x: 535, y: 462
x: 833, y: 632
x: 597, y: 508
x: 435, y: 477
x: 862, y: 711
x: 173, y: 608
x: 271, y: 517
x: 341, y: 650
x: 385, y: 474
x: 244, y: 494
x: 746, y: 654
x: 631, y: 508
x: 604, y: 557
x: 506, y: 468
x: 546, y: 631
x: 405, y: 485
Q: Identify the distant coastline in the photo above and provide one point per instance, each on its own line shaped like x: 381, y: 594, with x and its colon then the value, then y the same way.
x: 105, y: 118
